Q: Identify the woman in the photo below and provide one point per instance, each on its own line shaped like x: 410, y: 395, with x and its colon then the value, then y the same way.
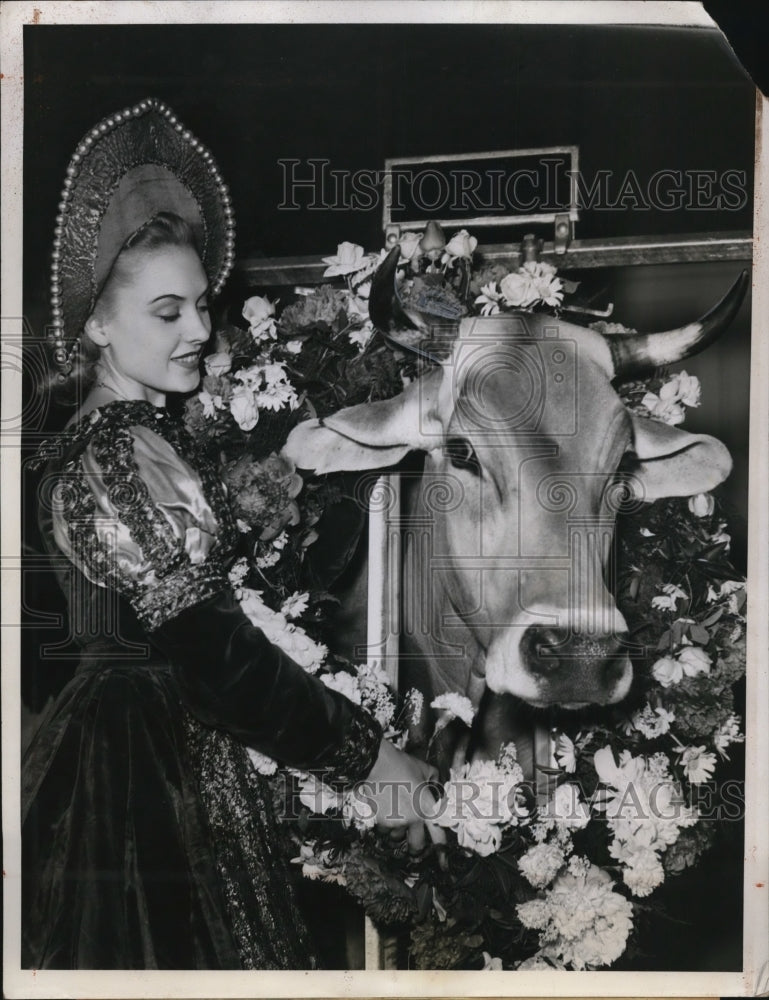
x: 148, y: 839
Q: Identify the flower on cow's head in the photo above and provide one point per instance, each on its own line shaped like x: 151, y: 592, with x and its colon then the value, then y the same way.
x: 666, y: 410
x: 682, y: 388
x: 349, y: 259
x: 534, y: 281
x: 461, y: 245
x: 409, y: 244
x: 489, y: 299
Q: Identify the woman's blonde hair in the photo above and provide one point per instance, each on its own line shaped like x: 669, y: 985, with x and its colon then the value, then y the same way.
x: 164, y: 230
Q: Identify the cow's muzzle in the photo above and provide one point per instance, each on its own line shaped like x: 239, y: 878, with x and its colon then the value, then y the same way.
x: 573, y: 669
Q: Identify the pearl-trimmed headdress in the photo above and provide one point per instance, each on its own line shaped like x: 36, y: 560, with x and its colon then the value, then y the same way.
x: 109, y: 194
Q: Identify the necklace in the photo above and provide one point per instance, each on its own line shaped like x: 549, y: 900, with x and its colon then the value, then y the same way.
x: 100, y: 383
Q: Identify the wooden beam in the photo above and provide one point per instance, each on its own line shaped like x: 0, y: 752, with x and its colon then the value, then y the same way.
x: 619, y: 252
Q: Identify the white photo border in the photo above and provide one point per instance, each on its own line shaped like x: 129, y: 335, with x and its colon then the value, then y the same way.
x: 754, y: 978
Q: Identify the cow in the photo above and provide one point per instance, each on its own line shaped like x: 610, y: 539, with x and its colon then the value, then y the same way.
x: 528, y: 455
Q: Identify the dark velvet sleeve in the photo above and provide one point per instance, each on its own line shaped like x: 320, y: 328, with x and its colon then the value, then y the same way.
x: 137, y: 519
x: 233, y: 678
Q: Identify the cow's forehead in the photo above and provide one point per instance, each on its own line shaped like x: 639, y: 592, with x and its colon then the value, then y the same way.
x: 540, y: 382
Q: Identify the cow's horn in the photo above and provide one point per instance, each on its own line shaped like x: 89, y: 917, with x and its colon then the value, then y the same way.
x: 637, y: 352
x: 384, y: 306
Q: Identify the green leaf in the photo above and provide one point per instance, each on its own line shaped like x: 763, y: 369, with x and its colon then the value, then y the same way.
x: 699, y: 634
x: 712, y: 619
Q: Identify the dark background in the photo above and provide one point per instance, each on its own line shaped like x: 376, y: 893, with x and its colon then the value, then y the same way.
x: 632, y: 98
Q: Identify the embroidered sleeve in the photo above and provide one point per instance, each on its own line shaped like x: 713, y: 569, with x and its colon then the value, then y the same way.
x: 133, y: 515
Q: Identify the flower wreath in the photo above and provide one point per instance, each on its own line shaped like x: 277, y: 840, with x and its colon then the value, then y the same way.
x: 522, y: 883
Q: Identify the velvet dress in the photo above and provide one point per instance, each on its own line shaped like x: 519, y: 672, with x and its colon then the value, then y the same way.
x: 148, y: 839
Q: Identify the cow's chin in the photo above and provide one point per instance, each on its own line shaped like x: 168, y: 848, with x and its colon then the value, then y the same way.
x: 506, y: 674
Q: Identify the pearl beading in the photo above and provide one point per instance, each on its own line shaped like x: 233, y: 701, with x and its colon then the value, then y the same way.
x: 63, y: 355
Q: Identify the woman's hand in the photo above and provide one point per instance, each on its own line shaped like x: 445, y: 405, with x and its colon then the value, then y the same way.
x: 399, y: 787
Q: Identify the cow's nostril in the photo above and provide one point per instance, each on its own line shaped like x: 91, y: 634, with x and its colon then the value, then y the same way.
x: 591, y: 666
x: 544, y: 647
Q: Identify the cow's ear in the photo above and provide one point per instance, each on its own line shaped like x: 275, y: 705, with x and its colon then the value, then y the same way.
x: 371, y: 435
x: 674, y: 463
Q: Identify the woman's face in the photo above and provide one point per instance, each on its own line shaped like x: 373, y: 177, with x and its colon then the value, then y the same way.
x: 152, y: 323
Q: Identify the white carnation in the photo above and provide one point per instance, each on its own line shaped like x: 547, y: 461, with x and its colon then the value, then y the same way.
x: 456, y: 706
x: 541, y: 863
x: 261, y: 762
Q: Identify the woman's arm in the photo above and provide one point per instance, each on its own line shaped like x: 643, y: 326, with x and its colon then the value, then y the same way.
x: 233, y: 678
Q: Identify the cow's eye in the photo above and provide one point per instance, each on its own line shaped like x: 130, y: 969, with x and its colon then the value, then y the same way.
x: 462, y: 455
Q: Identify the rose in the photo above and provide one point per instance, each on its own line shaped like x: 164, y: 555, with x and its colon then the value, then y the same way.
x: 701, y: 504
x: 209, y: 403
x: 257, y: 309
x: 243, y: 408
x: 409, y: 244
x: 667, y: 671
x: 260, y: 312
x: 519, y: 289
x: 479, y: 800
x: 461, y: 244
x: 694, y: 661
x: 682, y: 388
x: 349, y: 259
x: 218, y: 364
x: 666, y: 410
x: 689, y: 389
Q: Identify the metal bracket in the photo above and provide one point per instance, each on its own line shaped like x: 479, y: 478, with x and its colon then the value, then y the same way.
x: 392, y: 234
x: 531, y: 248
x: 563, y: 233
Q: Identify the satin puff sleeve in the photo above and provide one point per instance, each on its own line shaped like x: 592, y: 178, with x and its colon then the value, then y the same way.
x: 136, y: 516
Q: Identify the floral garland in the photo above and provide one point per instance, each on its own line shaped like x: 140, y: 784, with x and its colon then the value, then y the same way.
x: 526, y: 881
